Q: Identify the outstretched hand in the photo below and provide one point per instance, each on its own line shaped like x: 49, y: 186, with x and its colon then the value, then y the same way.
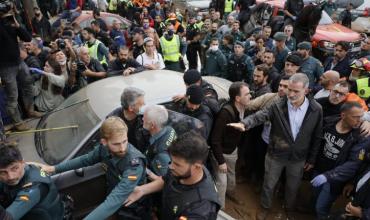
x: 48, y: 169
x: 134, y: 196
x: 239, y: 126
x: 36, y: 70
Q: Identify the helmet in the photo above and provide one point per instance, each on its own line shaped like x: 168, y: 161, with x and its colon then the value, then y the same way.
x: 172, y: 16
x: 357, y: 64
x: 366, y: 64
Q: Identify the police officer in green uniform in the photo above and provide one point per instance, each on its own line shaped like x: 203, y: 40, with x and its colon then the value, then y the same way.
x: 155, y: 120
x: 310, y: 66
x: 188, y: 190
x: 125, y: 169
x: 280, y: 50
x: 236, y: 33
x: 240, y: 66
x: 216, y: 62
x: 26, y: 192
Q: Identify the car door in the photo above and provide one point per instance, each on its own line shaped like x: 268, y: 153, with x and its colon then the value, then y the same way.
x: 86, y: 186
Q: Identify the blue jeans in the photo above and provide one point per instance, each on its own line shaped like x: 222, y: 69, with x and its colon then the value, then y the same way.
x: 324, y: 200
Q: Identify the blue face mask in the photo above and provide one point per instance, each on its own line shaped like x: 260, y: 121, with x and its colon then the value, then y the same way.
x: 145, y: 26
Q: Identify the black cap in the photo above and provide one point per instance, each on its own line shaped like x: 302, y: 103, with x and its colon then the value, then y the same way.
x: 191, y: 76
x: 294, y: 58
x: 137, y: 30
x: 194, y: 93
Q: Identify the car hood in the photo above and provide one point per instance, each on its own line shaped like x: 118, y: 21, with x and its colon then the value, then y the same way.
x: 335, y: 32
x: 198, y: 4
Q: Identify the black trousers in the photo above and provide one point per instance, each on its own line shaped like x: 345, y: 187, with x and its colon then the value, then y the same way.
x: 192, y: 52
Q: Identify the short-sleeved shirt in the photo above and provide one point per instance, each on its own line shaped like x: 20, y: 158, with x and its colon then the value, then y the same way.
x: 334, y: 143
x: 143, y: 59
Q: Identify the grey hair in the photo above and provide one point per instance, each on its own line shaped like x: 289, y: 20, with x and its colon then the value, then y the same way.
x: 80, y: 49
x: 300, y: 77
x: 129, y: 96
x: 157, y: 114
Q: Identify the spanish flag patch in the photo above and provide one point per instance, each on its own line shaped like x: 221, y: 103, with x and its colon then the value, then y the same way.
x: 132, y: 177
x: 24, y: 198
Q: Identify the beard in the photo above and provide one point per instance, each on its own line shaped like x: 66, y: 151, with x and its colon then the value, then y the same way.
x: 186, y: 175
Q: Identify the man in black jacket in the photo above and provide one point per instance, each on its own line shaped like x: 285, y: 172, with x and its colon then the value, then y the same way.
x: 41, y: 25
x: 132, y: 101
x: 13, y: 70
x: 338, y: 160
x: 296, y: 129
x: 225, y: 140
x: 340, y: 62
x: 124, y: 65
x: 193, y: 106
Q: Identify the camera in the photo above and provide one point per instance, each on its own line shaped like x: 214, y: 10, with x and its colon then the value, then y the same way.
x: 5, y: 6
x: 61, y: 44
x: 80, y: 66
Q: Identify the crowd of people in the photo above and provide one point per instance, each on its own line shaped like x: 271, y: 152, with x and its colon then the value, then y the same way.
x: 288, y: 112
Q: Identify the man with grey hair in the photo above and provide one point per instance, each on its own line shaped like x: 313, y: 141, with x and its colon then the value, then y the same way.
x: 296, y: 131
x: 155, y: 120
x: 88, y: 69
x: 132, y: 102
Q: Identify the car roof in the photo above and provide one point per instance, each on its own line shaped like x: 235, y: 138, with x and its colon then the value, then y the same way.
x: 159, y: 86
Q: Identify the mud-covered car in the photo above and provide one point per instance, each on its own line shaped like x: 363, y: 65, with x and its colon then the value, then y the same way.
x: 77, y: 122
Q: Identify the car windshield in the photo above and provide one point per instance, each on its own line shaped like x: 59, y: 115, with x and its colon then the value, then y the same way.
x: 55, y: 146
x: 325, y: 19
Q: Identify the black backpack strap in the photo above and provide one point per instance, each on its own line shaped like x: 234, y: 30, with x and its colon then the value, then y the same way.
x: 229, y: 109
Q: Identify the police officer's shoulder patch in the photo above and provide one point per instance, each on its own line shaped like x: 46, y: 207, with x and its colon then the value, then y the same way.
x: 24, y: 198
x: 135, y: 162
x: 361, y: 155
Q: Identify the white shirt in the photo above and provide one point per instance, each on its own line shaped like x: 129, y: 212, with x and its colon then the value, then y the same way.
x: 144, y: 59
x: 322, y: 93
x: 296, y: 116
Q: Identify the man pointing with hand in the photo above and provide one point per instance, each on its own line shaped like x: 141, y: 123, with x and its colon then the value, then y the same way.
x: 296, y: 128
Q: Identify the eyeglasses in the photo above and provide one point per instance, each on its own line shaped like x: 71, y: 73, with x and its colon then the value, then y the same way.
x: 339, y: 94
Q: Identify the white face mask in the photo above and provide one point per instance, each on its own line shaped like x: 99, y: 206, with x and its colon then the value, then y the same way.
x: 252, y: 43
x: 63, y: 62
x: 213, y: 48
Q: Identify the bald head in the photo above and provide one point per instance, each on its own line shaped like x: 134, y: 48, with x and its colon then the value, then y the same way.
x: 329, y: 79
